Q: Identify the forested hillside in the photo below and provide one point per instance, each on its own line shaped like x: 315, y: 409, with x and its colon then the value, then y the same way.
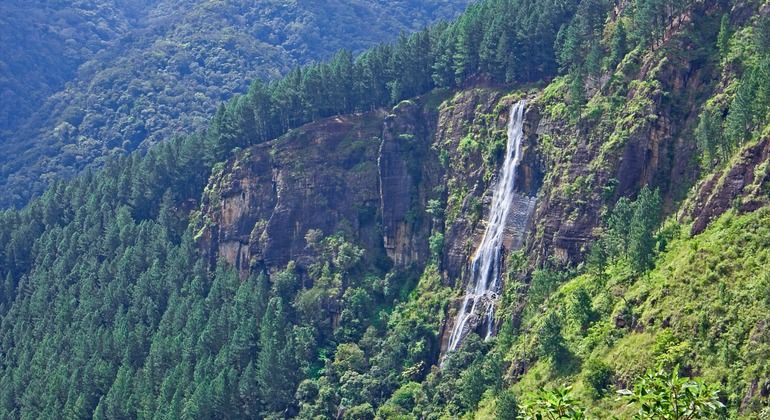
x: 43, y: 44
x: 307, y: 255
x: 83, y: 81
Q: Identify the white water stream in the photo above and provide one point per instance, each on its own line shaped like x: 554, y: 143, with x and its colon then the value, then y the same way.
x: 485, y: 270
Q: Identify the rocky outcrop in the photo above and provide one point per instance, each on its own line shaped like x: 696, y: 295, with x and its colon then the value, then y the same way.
x: 323, y: 176
x: 409, y: 171
x: 743, y: 185
x: 374, y: 177
x: 481, y: 115
x: 630, y: 139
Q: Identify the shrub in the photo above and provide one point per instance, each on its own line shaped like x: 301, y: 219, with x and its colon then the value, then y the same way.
x: 507, y: 406
x: 663, y: 395
x: 598, y: 377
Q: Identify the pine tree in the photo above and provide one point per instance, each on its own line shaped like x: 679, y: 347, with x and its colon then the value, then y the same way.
x: 723, y: 39
x: 248, y: 392
x: 550, y: 337
x: 8, y: 290
x: 276, y: 367
x: 641, y: 250
x: 618, y: 44
x: 712, y: 145
x: 739, y: 118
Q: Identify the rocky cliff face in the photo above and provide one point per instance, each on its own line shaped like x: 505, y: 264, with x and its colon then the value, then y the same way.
x: 323, y: 176
x: 389, y: 181
x: 397, y: 182
x: 392, y: 180
x: 409, y: 171
x: 742, y: 185
x: 472, y: 136
x: 374, y: 177
x: 627, y: 138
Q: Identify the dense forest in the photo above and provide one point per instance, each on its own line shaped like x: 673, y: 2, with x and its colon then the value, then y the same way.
x: 111, y: 308
x: 82, y: 81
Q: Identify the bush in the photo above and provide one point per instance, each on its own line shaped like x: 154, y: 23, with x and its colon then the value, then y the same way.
x: 551, y: 342
x: 359, y: 412
x: 436, y: 243
x: 507, y: 406
x: 553, y: 404
x: 598, y: 377
x: 663, y: 395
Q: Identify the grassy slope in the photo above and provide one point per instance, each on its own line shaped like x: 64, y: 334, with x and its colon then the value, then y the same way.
x: 712, y: 293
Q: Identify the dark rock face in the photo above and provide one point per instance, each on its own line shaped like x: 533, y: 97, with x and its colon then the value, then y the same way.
x: 323, y: 176
x: 742, y: 186
x: 409, y: 171
x: 369, y: 176
x: 487, y: 110
x: 462, y: 234
x: 484, y: 114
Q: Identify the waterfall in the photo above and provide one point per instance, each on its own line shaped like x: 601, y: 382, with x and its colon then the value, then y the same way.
x: 485, y: 268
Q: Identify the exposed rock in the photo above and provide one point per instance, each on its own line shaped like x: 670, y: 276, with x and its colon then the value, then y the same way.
x: 409, y: 170
x: 322, y: 176
x: 465, y: 111
x: 369, y: 176
x: 469, y: 175
x: 372, y: 177
x: 591, y: 164
x: 741, y: 185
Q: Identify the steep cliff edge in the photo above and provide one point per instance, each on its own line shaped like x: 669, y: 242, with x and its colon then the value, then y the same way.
x: 413, y: 186
x: 742, y: 185
x: 372, y: 176
x: 324, y: 176
x: 343, y: 268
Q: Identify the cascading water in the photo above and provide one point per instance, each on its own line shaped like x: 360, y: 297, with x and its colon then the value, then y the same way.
x: 485, y: 269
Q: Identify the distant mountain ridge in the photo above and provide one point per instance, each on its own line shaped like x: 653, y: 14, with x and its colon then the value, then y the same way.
x: 131, y: 74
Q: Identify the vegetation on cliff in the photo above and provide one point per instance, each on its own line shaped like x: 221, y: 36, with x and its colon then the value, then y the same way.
x: 111, y: 310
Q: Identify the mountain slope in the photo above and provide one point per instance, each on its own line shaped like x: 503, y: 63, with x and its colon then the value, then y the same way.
x: 125, y: 76
x: 310, y: 261
x: 44, y: 43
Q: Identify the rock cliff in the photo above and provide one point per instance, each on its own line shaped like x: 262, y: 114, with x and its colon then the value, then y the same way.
x: 374, y: 177
x: 742, y: 185
x: 324, y: 176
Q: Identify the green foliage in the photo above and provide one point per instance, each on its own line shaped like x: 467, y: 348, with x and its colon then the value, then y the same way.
x: 631, y: 230
x: 618, y: 44
x: 549, y: 336
x: 139, y: 87
x: 579, y: 309
x: 436, y: 245
x: 598, y: 377
x: 723, y: 38
x: 508, y: 41
x: 472, y: 385
x: 652, y: 17
x: 748, y: 110
x: 507, y: 406
x: 579, y: 43
x: 543, y: 283
x: 109, y: 310
x: 276, y: 367
x: 664, y: 395
x: 713, y: 147
x: 552, y: 404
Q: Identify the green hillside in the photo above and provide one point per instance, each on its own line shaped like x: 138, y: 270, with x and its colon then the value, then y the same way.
x: 307, y: 255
